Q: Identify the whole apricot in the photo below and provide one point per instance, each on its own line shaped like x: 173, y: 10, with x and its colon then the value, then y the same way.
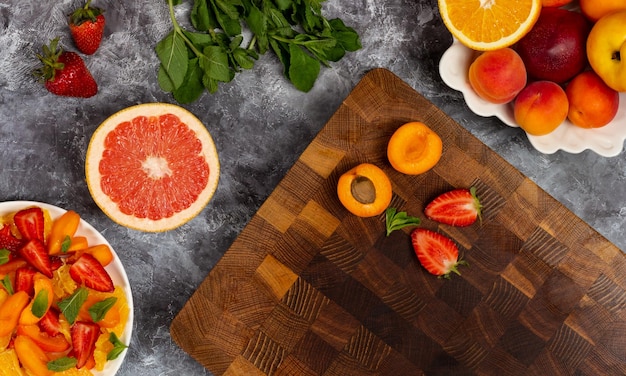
x: 595, y: 9
x: 541, y: 107
x: 592, y: 103
x: 498, y: 76
x: 414, y: 148
x: 365, y: 190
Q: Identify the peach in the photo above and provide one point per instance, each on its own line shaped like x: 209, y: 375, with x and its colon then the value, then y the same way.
x: 498, y: 76
x: 541, y: 107
x: 592, y: 103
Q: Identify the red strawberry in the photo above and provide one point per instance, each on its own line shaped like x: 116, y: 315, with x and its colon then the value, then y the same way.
x: 437, y: 253
x: 88, y: 270
x: 84, y: 336
x: 459, y: 207
x: 35, y: 253
x: 24, y: 280
x: 8, y: 240
x: 50, y: 324
x: 87, y: 26
x: 30, y: 223
x: 65, y: 73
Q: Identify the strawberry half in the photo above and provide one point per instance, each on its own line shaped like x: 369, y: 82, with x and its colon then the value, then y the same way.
x: 35, y: 253
x: 87, y: 27
x: 88, y: 271
x: 65, y: 73
x: 50, y: 323
x: 8, y: 240
x: 84, y: 336
x: 30, y: 223
x: 437, y: 253
x: 25, y: 280
x: 459, y: 207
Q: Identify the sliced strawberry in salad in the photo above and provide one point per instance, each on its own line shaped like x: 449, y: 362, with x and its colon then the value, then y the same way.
x: 87, y: 270
x: 35, y: 253
x: 30, y: 223
x: 84, y: 336
x: 50, y: 323
x: 8, y: 240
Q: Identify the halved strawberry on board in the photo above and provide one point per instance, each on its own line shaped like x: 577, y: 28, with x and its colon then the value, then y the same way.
x: 437, y: 253
x: 35, y: 253
x: 30, y: 223
x: 84, y: 336
x: 88, y: 271
x: 459, y: 207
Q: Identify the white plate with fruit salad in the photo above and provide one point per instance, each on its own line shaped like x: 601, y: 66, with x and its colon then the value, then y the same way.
x: 91, y: 293
x: 607, y: 141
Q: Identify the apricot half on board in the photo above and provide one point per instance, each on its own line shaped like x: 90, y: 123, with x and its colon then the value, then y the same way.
x: 414, y: 148
x: 365, y: 190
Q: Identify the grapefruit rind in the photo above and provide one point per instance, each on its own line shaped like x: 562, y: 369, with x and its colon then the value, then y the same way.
x: 96, y: 149
x: 497, y: 34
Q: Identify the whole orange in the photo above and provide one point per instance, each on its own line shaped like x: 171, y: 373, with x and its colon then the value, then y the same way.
x: 594, y: 9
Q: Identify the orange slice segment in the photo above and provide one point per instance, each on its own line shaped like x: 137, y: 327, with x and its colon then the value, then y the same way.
x: 489, y: 24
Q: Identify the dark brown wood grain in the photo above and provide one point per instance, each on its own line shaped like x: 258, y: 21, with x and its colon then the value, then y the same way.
x: 309, y: 289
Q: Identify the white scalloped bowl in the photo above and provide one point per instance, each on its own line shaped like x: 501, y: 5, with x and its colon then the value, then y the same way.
x: 115, y: 269
x: 607, y: 141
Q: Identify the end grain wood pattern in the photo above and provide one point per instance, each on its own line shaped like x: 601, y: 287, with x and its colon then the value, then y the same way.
x: 309, y: 289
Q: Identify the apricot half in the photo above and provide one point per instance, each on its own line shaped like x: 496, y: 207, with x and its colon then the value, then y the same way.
x: 414, y: 148
x: 365, y: 190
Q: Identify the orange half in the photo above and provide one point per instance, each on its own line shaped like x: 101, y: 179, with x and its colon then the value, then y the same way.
x: 489, y: 24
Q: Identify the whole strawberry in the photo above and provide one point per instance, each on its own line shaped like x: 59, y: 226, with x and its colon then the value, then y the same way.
x: 87, y: 26
x: 64, y: 73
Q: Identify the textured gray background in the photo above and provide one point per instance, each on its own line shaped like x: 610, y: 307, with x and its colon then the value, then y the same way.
x: 260, y: 125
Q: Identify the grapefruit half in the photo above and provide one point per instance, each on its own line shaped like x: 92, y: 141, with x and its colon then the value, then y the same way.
x: 152, y: 167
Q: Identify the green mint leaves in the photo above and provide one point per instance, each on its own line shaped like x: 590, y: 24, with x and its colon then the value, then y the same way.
x: 396, y: 220
x: 70, y: 306
x: 6, y: 283
x: 118, y: 347
x: 61, y: 364
x: 98, y: 310
x: 5, y: 256
x: 40, y: 304
x: 192, y: 61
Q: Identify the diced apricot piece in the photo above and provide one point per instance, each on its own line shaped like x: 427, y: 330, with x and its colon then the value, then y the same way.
x: 32, y: 357
x: 46, y: 342
x: 63, y: 227
x: 43, y: 285
x: 10, y: 312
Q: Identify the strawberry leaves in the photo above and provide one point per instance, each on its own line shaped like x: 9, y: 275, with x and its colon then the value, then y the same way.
x: 296, y: 31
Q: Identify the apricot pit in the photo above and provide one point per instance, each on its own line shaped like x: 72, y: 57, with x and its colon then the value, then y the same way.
x: 365, y: 190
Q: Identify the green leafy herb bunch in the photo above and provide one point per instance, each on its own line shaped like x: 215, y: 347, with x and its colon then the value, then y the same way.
x: 192, y: 61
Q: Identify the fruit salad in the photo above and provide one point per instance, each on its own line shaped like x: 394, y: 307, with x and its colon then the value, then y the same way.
x: 60, y: 312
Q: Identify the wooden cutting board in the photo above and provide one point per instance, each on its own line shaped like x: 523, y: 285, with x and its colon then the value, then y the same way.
x: 309, y: 289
